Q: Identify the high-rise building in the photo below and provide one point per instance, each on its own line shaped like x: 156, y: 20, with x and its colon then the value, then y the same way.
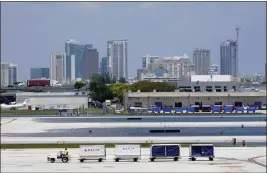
x: 229, y: 60
x: 147, y: 59
x: 104, y: 65
x: 37, y: 73
x: 201, y: 61
x: 117, y: 53
x: 74, y: 59
x: 58, y: 67
x: 178, y: 65
x: 9, y: 74
x: 12, y: 74
x: 4, y: 74
x: 91, y: 62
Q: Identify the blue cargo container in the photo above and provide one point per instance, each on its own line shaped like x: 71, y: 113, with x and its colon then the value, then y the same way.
x: 228, y: 108
x: 155, y: 110
x: 167, y: 110
x: 251, y: 109
x: 239, y: 109
x: 217, y: 109
x: 179, y: 110
x: 190, y: 109
x: 201, y: 150
x: 165, y: 151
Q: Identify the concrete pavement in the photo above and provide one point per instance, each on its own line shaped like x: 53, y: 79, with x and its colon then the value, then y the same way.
x: 227, y: 160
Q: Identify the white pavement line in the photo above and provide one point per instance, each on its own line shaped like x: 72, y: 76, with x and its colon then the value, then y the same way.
x: 256, y: 162
x: 8, y: 122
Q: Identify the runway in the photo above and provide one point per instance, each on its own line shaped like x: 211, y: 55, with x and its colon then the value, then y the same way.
x: 226, y: 160
x: 29, y: 125
x: 27, y: 130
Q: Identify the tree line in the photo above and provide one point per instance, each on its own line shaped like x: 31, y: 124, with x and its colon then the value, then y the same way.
x: 105, y: 87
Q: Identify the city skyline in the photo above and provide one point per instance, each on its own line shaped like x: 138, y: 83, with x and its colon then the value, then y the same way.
x: 181, y: 35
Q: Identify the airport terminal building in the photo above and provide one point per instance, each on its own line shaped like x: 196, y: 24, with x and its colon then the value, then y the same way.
x: 185, y: 99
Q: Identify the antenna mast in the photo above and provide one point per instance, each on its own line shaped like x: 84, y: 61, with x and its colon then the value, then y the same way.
x: 237, y: 29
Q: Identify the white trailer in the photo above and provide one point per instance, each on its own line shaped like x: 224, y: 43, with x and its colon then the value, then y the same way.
x: 92, y: 152
x: 127, y: 152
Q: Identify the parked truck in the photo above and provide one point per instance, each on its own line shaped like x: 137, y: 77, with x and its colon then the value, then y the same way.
x: 127, y: 152
x: 165, y: 151
x: 201, y: 150
x: 42, y: 83
x: 92, y: 152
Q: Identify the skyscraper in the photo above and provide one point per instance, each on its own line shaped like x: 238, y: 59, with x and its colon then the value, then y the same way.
x: 104, y: 65
x: 229, y: 60
x: 201, y: 61
x: 74, y: 59
x: 4, y: 74
x: 178, y: 66
x: 9, y: 74
x: 91, y: 62
x: 37, y: 73
x: 58, y: 67
x: 117, y: 53
x: 147, y: 59
x: 12, y: 74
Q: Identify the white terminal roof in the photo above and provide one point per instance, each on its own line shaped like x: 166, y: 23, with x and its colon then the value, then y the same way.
x: 211, y: 78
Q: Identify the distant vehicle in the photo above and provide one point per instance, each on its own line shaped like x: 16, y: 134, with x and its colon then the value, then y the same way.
x: 263, y: 107
x: 42, y: 82
x: 13, y: 105
x: 19, y: 84
x: 108, y: 103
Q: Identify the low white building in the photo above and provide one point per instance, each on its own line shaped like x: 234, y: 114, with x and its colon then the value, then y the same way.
x: 53, y: 100
x: 185, y: 99
x: 209, y: 83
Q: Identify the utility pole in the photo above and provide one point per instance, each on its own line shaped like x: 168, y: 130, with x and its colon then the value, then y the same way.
x: 237, y: 57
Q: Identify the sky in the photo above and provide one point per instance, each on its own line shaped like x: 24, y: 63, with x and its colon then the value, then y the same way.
x: 30, y: 31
